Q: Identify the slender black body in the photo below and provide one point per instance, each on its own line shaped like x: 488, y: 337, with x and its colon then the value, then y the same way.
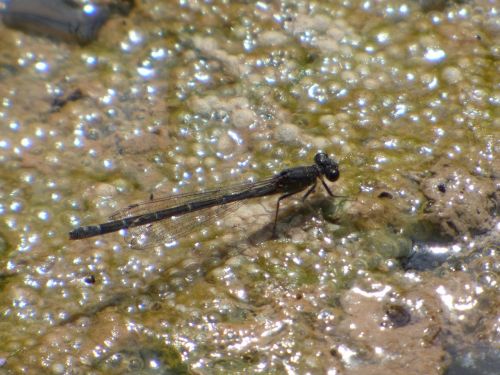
x: 288, y: 182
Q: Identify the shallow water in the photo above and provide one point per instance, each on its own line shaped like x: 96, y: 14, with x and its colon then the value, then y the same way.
x: 402, y: 276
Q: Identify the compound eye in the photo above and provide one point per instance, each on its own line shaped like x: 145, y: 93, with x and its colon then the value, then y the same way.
x: 332, y: 174
x: 321, y: 158
x: 329, y: 168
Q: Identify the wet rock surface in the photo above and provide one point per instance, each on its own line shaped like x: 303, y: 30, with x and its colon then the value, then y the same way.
x: 183, y: 96
x: 459, y: 203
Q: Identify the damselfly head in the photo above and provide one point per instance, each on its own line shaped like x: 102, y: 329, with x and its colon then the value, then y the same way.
x: 327, y: 166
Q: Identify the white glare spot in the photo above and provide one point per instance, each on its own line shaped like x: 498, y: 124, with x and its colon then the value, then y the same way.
x: 382, y: 37
x: 401, y: 109
x: 43, y: 215
x: 90, y: 60
x: 438, y: 249
x: 202, y: 77
x: 158, y: 53
x: 41, y: 67
x: 135, y: 37
x: 154, y: 364
x: 26, y: 142
x: 16, y: 206
x: 346, y: 353
x: 89, y: 9
x: 262, y: 5
x: 145, y: 72
x: 434, y: 54
x: 404, y: 9
x: 381, y: 292
x: 433, y: 84
x: 392, y: 143
x: 108, y: 164
x: 235, y: 137
x: 108, y: 98
x: 426, y: 150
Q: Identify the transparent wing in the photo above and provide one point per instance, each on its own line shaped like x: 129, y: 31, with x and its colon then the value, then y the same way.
x: 169, y: 201
x: 168, y: 230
